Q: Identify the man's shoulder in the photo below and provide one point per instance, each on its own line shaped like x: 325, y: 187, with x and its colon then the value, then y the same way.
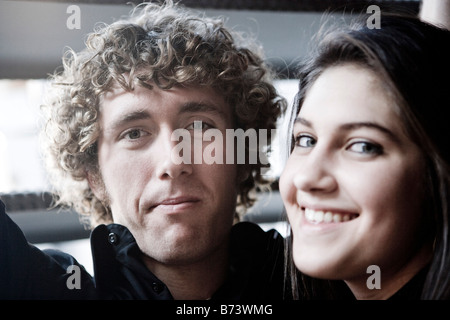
x: 257, y: 258
x: 252, y: 231
x: 63, y: 259
x: 250, y: 237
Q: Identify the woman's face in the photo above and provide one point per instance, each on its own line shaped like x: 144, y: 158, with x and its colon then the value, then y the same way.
x: 353, y: 185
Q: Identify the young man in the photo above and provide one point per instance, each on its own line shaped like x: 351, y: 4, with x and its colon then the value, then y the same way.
x: 163, y: 228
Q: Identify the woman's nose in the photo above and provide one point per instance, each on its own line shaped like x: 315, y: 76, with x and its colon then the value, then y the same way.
x: 315, y: 173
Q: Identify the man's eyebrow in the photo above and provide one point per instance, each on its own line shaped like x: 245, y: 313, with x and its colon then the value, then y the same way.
x: 129, y: 117
x: 192, y: 107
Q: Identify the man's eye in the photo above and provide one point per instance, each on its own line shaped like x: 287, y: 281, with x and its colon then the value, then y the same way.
x: 199, y: 125
x: 366, y: 148
x: 134, y: 134
x: 305, y: 141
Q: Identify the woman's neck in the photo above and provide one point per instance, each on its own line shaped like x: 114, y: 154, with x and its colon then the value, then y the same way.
x: 390, y: 281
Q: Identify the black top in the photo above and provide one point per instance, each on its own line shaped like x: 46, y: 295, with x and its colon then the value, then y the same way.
x: 412, y: 290
x: 256, y: 268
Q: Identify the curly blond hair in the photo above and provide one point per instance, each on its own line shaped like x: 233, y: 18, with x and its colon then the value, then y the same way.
x: 165, y: 45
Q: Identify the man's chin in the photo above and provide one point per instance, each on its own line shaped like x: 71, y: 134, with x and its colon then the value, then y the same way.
x: 174, y: 256
x: 179, y: 248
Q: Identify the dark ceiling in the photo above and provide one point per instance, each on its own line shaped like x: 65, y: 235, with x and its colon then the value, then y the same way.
x: 34, y: 35
x: 271, y: 5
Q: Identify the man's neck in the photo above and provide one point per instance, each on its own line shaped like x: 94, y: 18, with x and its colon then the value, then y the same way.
x: 198, y: 280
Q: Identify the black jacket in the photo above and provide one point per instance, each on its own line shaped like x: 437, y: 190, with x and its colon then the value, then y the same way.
x: 255, y: 271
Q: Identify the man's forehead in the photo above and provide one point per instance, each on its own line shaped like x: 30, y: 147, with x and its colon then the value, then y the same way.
x: 181, y: 99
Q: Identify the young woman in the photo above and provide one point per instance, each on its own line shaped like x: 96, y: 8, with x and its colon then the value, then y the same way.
x: 367, y: 183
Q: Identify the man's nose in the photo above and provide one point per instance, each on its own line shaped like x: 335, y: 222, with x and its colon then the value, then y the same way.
x: 166, y: 166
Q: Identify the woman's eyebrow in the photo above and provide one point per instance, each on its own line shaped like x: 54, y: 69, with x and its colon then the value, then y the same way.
x: 368, y: 124
x: 303, y: 121
x: 353, y: 126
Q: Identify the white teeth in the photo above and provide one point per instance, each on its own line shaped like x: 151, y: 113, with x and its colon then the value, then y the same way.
x: 326, y: 217
x: 337, y: 218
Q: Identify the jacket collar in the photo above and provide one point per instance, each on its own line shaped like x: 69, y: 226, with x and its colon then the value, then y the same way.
x: 255, y: 270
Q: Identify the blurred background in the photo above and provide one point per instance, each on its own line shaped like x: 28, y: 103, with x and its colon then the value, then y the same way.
x: 35, y: 34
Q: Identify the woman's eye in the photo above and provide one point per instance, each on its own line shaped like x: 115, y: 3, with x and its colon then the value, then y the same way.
x: 305, y: 141
x: 366, y: 148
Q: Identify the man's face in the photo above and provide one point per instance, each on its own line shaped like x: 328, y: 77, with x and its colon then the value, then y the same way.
x: 178, y: 213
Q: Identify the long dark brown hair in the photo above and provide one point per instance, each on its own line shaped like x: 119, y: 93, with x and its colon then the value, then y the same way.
x: 412, y: 58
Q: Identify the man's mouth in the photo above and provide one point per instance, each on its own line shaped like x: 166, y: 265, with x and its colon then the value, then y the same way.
x: 325, y: 216
x: 175, y: 202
